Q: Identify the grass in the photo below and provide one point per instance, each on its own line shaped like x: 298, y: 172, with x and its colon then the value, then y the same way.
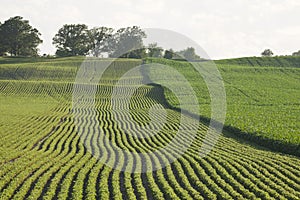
x: 277, y: 61
x: 262, y: 102
x: 44, y: 157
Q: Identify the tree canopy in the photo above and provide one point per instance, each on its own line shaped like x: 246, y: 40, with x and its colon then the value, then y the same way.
x: 77, y: 39
x: 72, y: 40
x: 169, y: 54
x: 98, y: 40
x: 267, y: 53
x: 189, y: 53
x: 128, y: 43
x: 19, y: 38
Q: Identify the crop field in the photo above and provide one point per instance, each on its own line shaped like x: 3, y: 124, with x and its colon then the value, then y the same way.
x: 277, y: 61
x: 262, y: 101
x: 42, y: 155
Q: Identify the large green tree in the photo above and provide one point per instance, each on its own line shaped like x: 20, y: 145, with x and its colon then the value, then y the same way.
x: 19, y: 38
x: 128, y: 43
x: 72, y: 40
x: 98, y: 40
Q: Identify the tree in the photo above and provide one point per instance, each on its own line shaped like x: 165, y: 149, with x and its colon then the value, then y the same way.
x: 72, y: 40
x: 189, y: 54
x: 19, y: 38
x: 154, y: 50
x: 137, y: 53
x: 3, y: 49
x: 169, y: 54
x: 98, y: 40
x: 296, y: 53
x: 267, y: 53
x: 126, y: 40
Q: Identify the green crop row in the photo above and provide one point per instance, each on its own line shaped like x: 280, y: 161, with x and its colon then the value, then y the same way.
x: 262, y: 102
x: 44, y: 156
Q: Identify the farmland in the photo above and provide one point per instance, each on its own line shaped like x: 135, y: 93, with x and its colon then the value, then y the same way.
x: 43, y: 157
x: 262, y: 100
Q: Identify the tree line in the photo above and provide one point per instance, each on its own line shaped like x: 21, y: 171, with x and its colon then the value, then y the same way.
x: 19, y: 38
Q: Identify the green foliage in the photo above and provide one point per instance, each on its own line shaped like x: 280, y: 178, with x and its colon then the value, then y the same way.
x: 188, y: 54
x: 77, y: 39
x: 262, y: 102
x: 127, y: 43
x: 43, y: 156
x: 137, y: 54
x: 154, y: 50
x: 277, y: 61
x: 72, y: 40
x: 19, y: 38
x: 169, y: 54
x: 98, y: 39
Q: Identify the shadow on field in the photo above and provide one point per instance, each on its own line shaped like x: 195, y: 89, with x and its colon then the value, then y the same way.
x: 252, y: 139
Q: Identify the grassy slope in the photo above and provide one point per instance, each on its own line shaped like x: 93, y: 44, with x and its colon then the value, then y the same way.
x: 262, y: 102
x: 277, y: 61
x: 41, y: 156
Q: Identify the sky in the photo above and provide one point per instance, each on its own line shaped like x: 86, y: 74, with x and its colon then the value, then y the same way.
x: 224, y: 29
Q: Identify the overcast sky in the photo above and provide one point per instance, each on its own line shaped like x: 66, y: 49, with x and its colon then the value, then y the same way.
x: 224, y: 29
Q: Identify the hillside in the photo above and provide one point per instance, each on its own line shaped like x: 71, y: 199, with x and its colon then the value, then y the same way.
x: 45, y: 156
x: 277, y: 61
x: 262, y: 102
